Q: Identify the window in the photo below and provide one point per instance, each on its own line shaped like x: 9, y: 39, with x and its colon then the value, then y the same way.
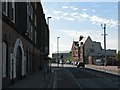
x: 35, y: 5
x: 28, y: 10
x: 29, y: 29
x: 35, y: 37
x: 31, y: 32
x: 5, y: 7
x: 13, y: 11
x: 4, y: 62
x: 91, y: 50
x: 31, y: 12
x: 35, y: 20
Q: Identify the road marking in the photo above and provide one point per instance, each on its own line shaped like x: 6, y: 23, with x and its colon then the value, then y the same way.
x: 54, y: 82
x: 74, y: 79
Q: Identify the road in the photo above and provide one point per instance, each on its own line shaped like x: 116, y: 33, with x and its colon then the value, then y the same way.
x: 73, y: 77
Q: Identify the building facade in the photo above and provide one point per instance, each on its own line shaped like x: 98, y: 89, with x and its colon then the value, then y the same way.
x: 25, y: 40
x: 63, y: 55
x: 74, y: 51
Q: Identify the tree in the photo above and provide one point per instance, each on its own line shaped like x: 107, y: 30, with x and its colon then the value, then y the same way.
x: 118, y: 56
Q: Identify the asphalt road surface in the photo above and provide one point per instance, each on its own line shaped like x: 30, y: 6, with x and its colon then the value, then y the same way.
x: 84, y: 78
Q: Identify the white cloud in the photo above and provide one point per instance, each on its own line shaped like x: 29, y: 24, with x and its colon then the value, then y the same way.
x: 98, y: 20
x: 69, y: 18
x: 57, y: 12
x: 56, y: 17
x: 65, y: 14
x: 84, y: 15
x: 70, y: 7
x: 84, y: 9
x: 75, y: 8
x: 65, y: 7
x: 74, y: 14
x: 76, y: 34
x: 45, y: 11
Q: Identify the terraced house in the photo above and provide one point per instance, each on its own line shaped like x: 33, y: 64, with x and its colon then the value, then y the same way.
x: 25, y: 40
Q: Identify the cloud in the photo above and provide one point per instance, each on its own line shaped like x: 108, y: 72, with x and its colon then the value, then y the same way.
x: 64, y: 14
x: 84, y: 9
x: 74, y: 14
x: 76, y: 34
x: 56, y: 17
x: 57, y: 12
x: 65, y: 7
x: 69, y: 18
x: 70, y: 7
x: 75, y: 8
x: 98, y: 20
x: 45, y: 11
x: 84, y: 15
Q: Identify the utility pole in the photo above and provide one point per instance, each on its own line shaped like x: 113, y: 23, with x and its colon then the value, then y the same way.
x: 104, y: 28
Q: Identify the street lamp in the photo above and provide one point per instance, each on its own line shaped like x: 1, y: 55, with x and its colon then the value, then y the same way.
x: 104, y: 27
x: 58, y: 50
x: 48, y: 20
x: 48, y: 41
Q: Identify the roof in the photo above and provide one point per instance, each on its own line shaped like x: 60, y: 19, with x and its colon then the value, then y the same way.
x: 84, y: 39
x: 76, y: 42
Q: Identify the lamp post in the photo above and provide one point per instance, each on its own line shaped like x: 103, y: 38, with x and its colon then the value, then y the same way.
x: 48, y: 42
x: 48, y: 20
x: 104, y: 27
x: 58, y: 50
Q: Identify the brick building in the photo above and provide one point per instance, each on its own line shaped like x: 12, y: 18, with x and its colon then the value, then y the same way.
x: 74, y: 51
x: 25, y: 40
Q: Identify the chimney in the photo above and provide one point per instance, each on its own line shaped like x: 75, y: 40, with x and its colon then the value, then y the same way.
x: 80, y: 38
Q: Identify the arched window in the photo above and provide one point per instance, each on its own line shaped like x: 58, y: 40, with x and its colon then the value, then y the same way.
x: 4, y: 60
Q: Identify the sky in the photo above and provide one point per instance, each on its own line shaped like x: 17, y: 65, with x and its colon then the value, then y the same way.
x: 72, y: 19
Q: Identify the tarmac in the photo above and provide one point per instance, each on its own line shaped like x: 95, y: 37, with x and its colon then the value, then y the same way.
x: 40, y: 79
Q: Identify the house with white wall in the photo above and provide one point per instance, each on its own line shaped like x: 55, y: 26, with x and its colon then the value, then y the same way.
x: 93, y: 50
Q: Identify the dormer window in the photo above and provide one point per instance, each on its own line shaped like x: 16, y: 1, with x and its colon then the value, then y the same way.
x: 81, y: 43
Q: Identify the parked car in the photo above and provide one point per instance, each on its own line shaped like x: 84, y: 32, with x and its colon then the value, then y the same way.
x: 98, y: 62
x: 80, y: 64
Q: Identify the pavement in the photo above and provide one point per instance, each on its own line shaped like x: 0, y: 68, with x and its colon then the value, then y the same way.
x: 108, y: 69
x: 35, y: 80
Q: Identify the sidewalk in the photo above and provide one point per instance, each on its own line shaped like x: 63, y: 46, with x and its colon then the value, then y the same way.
x: 38, y: 79
x: 109, y: 69
x: 35, y: 80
